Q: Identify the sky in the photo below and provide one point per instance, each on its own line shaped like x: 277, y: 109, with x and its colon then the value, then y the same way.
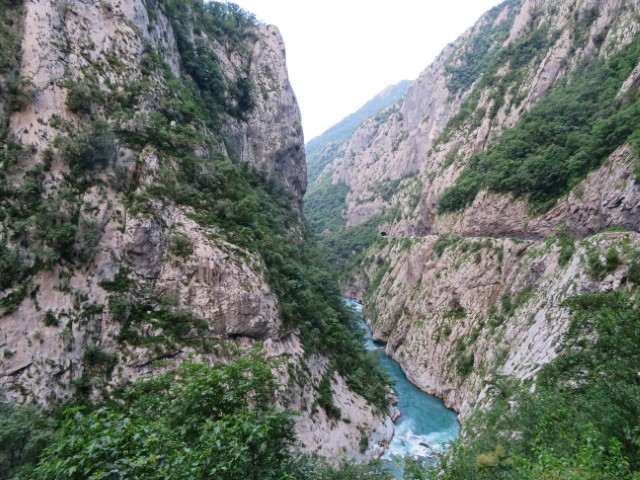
x: 341, y: 53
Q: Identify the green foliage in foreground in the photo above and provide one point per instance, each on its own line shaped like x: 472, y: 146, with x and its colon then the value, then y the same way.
x: 581, y: 422
x: 198, y: 422
x: 24, y: 433
x: 553, y: 146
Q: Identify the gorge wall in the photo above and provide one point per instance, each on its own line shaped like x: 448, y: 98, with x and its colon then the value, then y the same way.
x: 506, y: 184
x: 152, y: 180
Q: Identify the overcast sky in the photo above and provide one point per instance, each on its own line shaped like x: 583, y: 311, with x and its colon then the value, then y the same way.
x: 340, y: 53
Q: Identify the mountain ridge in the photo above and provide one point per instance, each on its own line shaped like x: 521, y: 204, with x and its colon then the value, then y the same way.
x: 475, y: 289
x: 344, y: 129
x: 150, y: 216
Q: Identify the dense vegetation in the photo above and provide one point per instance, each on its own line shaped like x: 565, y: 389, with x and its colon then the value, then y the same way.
x: 567, y: 134
x: 345, y: 249
x: 14, y: 90
x: 580, y: 422
x: 342, y: 247
x: 196, y: 21
x: 197, y: 422
x: 471, y: 61
x: 324, y: 205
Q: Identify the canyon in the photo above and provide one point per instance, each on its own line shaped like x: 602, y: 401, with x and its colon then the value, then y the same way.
x: 470, y: 284
x: 140, y: 142
x: 156, y: 212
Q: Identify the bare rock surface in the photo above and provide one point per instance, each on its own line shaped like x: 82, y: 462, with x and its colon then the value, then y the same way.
x: 154, y: 284
x: 444, y: 318
x: 436, y: 290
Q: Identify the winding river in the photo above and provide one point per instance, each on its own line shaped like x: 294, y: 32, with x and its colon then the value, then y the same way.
x: 425, y: 426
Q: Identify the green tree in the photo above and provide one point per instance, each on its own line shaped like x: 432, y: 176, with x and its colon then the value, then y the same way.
x: 24, y: 432
x: 199, y: 422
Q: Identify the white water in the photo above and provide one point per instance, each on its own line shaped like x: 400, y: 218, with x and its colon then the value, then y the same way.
x: 424, y: 419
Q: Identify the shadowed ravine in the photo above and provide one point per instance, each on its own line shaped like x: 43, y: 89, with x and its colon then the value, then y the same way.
x: 425, y: 426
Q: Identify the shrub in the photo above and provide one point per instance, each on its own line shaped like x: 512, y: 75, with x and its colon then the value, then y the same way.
x: 88, y: 235
x: 121, y: 283
x: 12, y: 301
x: 203, y: 420
x: 442, y: 243
x: 325, y: 398
x: 464, y: 364
x: 598, y: 269
x: 24, y: 432
x: 10, y: 34
x: 553, y: 146
x: 20, y: 94
x: 79, y: 97
x: 92, y: 149
x: 612, y: 259
x: 634, y: 272
x: 230, y: 25
x: 11, y: 266
x: 180, y: 245
x: 567, y: 249
x: 479, y: 51
x: 50, y: 319
x: 99, y: 361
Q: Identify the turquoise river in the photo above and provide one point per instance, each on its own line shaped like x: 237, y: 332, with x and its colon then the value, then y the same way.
x: 426, y: 426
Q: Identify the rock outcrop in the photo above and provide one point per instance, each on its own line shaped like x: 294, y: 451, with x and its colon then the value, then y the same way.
x: 119, y: 266
x: 272, y: 138
x: 457, y: 313
x: 464, y: 296
x: 409, y: 143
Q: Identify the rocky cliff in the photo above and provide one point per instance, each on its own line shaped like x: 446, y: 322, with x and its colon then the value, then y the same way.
x: 322, y: 149
x: 153, y: 171
x: 507, y: 180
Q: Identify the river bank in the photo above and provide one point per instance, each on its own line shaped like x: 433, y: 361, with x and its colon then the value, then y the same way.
x: 425, y: 427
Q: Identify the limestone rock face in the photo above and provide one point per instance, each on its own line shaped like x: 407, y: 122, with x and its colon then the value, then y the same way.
x: 481, y: 305
x: 402, y: 149
x: 51, y: 331
x: 272, y: 136
x: 330, y: 437
x: 441, y: 289
x: 270, y: 139
x: 607, y: 197
x: 143, y: 279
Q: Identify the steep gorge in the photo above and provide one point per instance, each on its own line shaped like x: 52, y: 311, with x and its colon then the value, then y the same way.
x: 150, y: 193
x: 507, y: 181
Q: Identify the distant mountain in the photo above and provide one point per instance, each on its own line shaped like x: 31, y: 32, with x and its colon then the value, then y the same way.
x: 341, y: 132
